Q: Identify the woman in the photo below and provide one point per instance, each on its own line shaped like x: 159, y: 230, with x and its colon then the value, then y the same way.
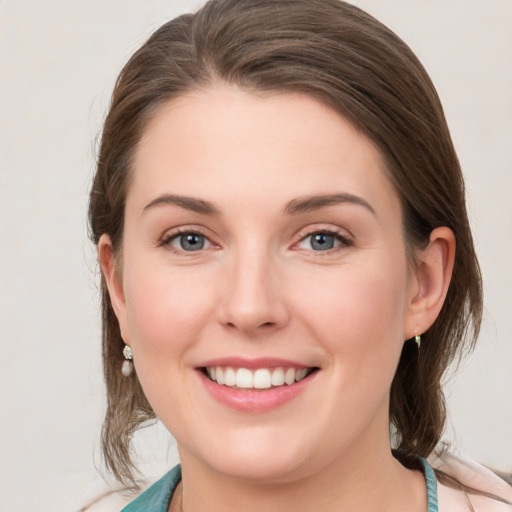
x: 287, y: 263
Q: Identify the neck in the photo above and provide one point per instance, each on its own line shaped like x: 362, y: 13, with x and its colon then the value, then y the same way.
x: 367, y: 482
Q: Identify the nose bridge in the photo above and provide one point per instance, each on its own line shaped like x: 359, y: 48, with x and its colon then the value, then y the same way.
x: 252, y: 300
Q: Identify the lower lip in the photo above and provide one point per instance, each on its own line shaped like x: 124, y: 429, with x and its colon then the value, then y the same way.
x: 252, y: 400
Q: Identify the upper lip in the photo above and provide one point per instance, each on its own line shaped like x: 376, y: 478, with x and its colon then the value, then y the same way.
x: 260, y: 362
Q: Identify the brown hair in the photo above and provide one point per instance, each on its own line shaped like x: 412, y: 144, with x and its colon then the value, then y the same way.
x: 346, y: 59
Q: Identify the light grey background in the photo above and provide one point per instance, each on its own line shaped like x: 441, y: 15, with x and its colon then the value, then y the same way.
x: 58, y: 62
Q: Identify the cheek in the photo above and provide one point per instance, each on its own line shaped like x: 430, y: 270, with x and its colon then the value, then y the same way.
x: 358, y: 312
x: 165, y: 309
x: 166, y: 313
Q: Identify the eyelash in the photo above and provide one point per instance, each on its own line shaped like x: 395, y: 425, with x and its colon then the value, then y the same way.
x: 168, y: 239
x: 343, y: 240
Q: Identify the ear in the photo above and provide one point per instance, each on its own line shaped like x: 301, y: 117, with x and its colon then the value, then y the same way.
x: 431, y: 280
x: 113, y: 279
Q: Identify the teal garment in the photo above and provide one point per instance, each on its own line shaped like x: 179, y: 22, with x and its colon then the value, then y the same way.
x: 158, y: 497
x: 430, y: 477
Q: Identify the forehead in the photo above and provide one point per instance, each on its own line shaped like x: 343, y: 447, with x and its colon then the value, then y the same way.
x: 226, y: 140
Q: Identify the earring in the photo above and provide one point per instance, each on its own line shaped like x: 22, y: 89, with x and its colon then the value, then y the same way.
x: 417, y: 340
x: 127, y: 367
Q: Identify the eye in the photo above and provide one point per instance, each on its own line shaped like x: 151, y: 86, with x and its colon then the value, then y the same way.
x: 187, y: 242
x: 323, y: 241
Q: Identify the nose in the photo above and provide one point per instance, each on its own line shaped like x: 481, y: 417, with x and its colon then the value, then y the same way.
x: 253, y: 300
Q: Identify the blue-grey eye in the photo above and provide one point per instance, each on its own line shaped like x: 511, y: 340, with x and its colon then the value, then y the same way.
x: 189, y: 242
x: 322, y: 241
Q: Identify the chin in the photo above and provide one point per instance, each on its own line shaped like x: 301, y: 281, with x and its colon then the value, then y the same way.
x: 261, y: 468
x: 259, y: 456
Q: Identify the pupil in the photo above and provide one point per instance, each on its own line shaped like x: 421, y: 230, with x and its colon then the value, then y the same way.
x: 322, y: 242
x: 192, y: 242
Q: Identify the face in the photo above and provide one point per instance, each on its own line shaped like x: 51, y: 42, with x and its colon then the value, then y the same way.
x: 264, y: 286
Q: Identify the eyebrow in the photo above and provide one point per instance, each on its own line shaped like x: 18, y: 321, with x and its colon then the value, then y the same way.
x: 294, y: 207
x: 188, y: 203
x: 311, y: 203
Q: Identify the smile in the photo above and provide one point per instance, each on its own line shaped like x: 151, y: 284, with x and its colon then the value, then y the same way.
x: 256, y: 385
x: 257, y: 378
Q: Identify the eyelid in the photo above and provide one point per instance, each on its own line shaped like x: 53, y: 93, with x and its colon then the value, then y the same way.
x: 170, y: 235
x: 342, y: 235
x: 336, y: 232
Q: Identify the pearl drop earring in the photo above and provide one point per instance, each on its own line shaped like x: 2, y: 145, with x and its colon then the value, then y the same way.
x: 127, y: 367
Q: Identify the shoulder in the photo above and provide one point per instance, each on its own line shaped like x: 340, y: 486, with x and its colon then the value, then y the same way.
x: 158, y: 496
x: 112, y: 501
x: 457, y: 500
x: 155, y: 498
x: 465, y: 485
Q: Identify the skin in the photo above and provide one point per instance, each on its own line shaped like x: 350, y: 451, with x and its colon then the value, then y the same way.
x: 259, y: 288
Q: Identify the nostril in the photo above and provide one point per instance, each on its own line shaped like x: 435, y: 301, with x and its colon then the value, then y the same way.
x: 232, y: 325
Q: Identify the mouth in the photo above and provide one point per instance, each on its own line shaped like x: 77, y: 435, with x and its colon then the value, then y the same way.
x: 256, y: 385
x: 256, y: 378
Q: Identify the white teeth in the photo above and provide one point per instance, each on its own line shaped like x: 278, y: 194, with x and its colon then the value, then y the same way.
x: 262, y: 378
x: 300, y: 374
x: 244, y: 378
x: 230, y: 377
x: 289, y: 376
x: 277, y: 377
